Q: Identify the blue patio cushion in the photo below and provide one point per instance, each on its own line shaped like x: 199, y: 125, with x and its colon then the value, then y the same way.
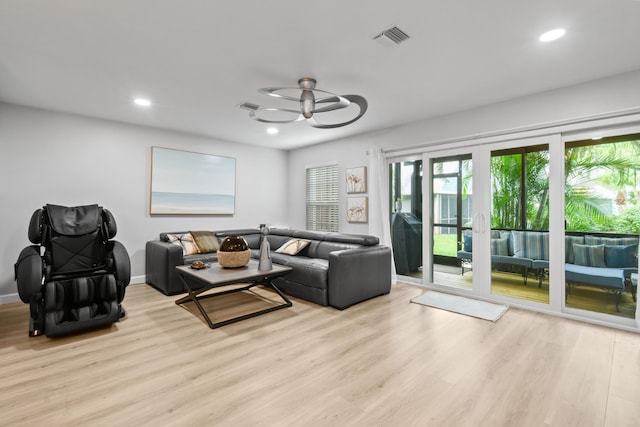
x: 620, y: 256
x: 604, y: 277
x: 531, y: 244
x: 467, y: 242
x: 540, y: 264
x: 589, y: 255
x: 568, y: 247
x: 510, y: 260
x: 499, y: 246
x: 598, y: 240
x: 507, y: 235
x: 504, y: 236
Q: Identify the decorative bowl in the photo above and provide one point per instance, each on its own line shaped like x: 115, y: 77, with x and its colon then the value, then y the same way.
x: 234, y: 252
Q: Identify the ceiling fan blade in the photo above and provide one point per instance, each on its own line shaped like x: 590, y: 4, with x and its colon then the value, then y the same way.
x: 338, y: 102
x: 273, y: 91
x: 254, y: 115
x: 356, y: 99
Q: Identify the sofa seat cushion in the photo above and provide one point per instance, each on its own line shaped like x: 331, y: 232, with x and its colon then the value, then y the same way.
x: 209, y: 257
x: 512, y: 260
x: 540, y: 264
x: 312, y: 272
x: 603, y: 277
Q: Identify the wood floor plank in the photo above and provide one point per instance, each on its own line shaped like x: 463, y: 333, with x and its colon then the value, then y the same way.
x: 382, y: 362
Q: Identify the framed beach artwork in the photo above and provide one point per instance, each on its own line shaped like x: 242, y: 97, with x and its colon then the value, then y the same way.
x: 189, y: 183
x: 357, y: 209
x: 356, y: 180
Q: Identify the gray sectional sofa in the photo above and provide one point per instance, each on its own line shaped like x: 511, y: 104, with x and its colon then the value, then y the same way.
x: 334, y: 269
x: 606, y: 262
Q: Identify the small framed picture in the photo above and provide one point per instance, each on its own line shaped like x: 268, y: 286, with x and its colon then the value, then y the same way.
x: 357, y: 209
x: 356, y: 180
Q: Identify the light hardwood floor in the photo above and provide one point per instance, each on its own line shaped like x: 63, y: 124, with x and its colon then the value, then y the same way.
x: 383, y: 362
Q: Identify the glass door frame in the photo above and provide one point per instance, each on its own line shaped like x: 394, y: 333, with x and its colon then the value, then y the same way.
x: 390, y: 160
x: 594, y: 316
x: 459, y: 201
x: 555, y: 135
x: 481, y: 227
x: 556, y: 217
x: 427, y: 234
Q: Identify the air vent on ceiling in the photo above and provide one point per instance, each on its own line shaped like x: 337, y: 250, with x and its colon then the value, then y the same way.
x: 393, y: 34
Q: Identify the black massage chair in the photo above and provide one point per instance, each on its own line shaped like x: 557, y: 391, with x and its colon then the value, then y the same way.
x: 74, y: 277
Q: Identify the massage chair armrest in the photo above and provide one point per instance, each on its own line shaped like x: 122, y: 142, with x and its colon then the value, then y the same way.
x: 121, y: 261
x: 358, y: 274
x: 29, y: 273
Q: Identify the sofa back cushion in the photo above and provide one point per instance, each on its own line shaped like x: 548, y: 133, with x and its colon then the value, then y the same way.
x: 598, y: 240
x: 589, y: 255
x: 185, y: 241
x: 276, y: 241
x: 467, y: 240
x: 500, y: 246
x: 323, y: 249
x: 206, y: 241
x: 569, y: 241
x: 356, y: 239
x: 621, y: 256
x: 293, y: 246
x: 531, y: 244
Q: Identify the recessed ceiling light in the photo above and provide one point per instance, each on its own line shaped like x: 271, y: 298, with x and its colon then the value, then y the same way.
x: 272, y: 131
x: 142, y: 102
x: 552, y: 35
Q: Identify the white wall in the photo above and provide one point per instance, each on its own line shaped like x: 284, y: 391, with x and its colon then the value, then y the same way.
x: 597, y: 97
x: 48, y: 157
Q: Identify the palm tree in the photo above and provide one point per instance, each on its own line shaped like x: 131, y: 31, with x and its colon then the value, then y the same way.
x: 611, y: 166
x: 608, y: 165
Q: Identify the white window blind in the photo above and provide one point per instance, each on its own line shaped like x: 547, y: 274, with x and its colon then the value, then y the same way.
x: 322, y: 198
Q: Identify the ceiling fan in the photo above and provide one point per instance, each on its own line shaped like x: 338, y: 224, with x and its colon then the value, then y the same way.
x: 312, y: 101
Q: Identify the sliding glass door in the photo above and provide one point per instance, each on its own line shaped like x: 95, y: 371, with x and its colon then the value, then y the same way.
x: 405, y: 190
x: 602, y: 217
x: 550, y: 223
x: 451, y: 219
x: 519, y: 231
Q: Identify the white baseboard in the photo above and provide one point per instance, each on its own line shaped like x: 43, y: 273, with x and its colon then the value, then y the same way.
x: 10, y: 298
x: 138, y: 279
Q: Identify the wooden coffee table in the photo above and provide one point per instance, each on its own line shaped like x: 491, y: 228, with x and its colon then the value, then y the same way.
x: 216, y: 276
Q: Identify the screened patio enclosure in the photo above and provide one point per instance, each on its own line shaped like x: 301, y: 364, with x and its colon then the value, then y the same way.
x: 549, y: 223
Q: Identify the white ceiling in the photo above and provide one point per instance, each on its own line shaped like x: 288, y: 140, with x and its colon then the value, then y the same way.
x: 197, y: 59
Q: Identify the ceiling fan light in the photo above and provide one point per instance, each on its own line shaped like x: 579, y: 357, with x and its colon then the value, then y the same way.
x: 552, y: 35
x: 307, y: 103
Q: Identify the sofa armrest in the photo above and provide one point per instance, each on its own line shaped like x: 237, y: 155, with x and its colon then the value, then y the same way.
x: 161, y: 259
x: 358, y: 274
